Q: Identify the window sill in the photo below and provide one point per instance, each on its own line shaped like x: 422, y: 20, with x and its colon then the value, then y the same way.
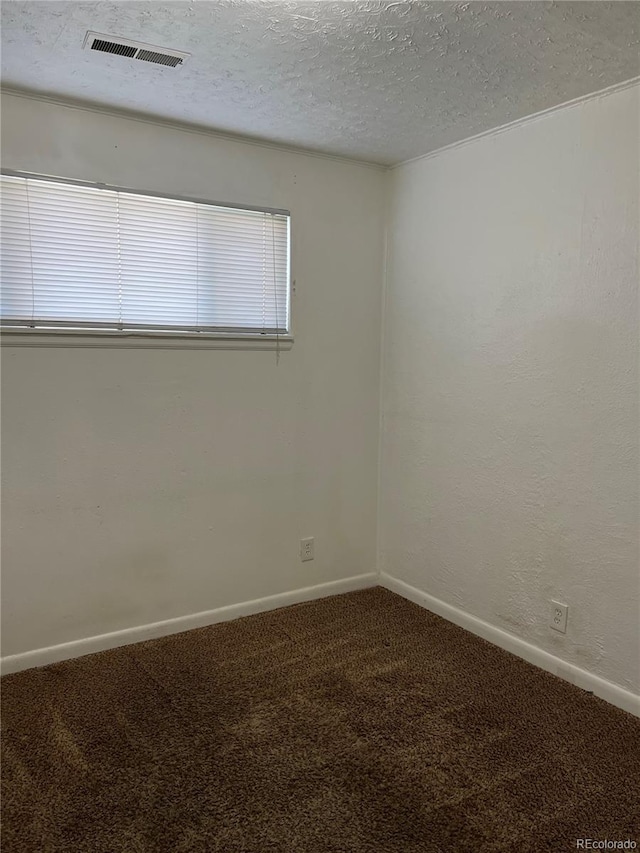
x: 139, y: 340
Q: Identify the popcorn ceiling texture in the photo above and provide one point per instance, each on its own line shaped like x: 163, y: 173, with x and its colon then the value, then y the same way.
x: 371, y: 80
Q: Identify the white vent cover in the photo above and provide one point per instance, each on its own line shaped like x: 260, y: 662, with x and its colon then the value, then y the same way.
x: 134, y: 49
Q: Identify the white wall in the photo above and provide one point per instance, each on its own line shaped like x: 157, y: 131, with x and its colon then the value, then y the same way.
x: 510, y: 437
x: 144, y: 485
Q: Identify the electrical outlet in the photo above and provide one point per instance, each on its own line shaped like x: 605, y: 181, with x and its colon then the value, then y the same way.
x: 559, y: 613
x: 306, y: 549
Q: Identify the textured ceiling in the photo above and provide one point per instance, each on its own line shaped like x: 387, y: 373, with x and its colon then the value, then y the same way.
x: 377, y: 81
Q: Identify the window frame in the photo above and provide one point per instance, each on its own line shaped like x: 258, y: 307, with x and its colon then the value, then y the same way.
x: 152, y: 338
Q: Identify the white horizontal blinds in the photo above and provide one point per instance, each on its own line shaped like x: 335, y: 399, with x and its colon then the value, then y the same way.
x: 74, y: 254
x: 84, y: 257
x: 159, y: 262
x: 243, y: 269
x: 16, y: 301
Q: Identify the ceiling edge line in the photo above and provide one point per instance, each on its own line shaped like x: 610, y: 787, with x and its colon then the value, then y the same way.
x: 186, y: 127
x: 519, y: 122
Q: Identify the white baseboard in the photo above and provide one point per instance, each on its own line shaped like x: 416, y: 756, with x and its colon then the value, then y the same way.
x: 606, y: 690
x: 90, y: 645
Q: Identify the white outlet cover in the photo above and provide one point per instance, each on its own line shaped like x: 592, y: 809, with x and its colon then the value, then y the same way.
x: 558, y: 616
x: 306, y: 549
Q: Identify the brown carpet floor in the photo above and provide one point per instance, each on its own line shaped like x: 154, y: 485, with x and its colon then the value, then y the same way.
x: 356, y: 723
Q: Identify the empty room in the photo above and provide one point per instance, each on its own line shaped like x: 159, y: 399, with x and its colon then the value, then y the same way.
x: 320, y: 426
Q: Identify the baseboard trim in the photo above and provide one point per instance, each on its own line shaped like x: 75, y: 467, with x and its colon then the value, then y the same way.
x: 606, y: 690
x: 102, y: 642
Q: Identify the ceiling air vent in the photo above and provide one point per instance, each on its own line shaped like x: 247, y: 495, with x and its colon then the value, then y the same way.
x: 134, y: 49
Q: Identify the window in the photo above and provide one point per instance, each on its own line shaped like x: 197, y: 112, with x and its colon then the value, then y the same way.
x: 105, y: 260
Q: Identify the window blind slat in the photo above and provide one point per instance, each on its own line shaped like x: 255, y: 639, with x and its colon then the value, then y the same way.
x: 77, y: 256
x: 16, y: 295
